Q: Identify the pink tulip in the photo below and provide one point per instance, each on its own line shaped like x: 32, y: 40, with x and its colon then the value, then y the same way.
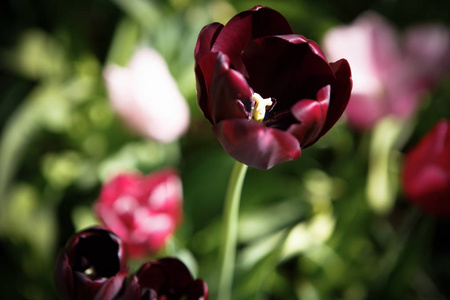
x: 143, y: 211
x: 147, y: 98
x: 390, y: 73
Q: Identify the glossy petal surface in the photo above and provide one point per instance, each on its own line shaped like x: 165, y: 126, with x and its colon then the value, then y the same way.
x: 256, y: 145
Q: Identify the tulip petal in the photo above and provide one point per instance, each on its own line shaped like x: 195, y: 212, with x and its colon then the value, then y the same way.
x: 166, y: 278
x: 286, y: 68
x: 112, y: 287
x: 256, y: 145
x: 430, y: 189
x: 152, y: 275
x: 226, y: 95
x: 205, y: 61
x: 199, y: 291
x: 179, y: 275
x: 206, y: 39
x: 63, y: 275
x: 132, y: 290
x: 204, y: 70
x: 84, y: 288
x: 311, y: 115
x: 316, y: 49
x: 254, y: 23
x: 167, y: 275
x: 340, y: 93
x: 202, y: 91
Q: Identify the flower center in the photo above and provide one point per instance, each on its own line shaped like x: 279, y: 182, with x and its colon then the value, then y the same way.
x: 259, y: 110
x: 91, y: 272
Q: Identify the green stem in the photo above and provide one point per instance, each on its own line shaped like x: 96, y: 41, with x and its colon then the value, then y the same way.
x: 388, y: 136
x: 229, y: 231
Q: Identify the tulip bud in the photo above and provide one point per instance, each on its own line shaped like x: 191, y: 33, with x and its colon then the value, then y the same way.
x: 167, y: 278
x: 91, y: 266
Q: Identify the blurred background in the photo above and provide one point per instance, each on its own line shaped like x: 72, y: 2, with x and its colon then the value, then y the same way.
x: 314, y: 228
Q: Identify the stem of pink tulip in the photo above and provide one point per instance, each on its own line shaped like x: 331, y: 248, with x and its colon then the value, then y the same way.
x: 229, y: 231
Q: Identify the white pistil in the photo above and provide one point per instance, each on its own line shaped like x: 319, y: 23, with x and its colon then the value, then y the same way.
x: 259, y: 110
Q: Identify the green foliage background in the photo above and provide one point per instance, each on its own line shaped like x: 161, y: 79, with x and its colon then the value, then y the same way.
x: 308, y: 228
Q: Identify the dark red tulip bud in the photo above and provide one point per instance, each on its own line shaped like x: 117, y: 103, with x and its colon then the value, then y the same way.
x: 92, y: 266
x: 167, y: 278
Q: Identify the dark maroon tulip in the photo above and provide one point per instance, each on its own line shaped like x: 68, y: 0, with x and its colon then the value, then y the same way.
x: 426, y: 172
x: 92, y: 266
x: 167, y: 278
x: 267, y: 92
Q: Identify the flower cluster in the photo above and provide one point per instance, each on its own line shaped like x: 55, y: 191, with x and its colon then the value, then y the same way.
x: 267, y: 92
x: 142, y: 210
x: 93, y: 266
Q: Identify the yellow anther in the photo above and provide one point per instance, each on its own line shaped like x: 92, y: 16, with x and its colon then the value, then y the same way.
x: 90, y: 272
x: 259, y: 110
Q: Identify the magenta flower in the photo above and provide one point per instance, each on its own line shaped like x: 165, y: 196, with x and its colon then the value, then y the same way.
x: 390, y: 73
x: 142, y: 210
x: 167, y: 278
x: 267, y: 92
x: 146, y: 97
x: 92, y: 266
x: 426, y: 172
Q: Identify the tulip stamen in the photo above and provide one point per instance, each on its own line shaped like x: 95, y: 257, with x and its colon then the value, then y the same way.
x: 259, y: 110
x: 90, y: 272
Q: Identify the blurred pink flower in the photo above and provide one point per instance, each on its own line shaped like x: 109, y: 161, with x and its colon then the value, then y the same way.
x: 142, y: 210
x: 426, y: 172
x: 146, y: 96
x: 390, y: 73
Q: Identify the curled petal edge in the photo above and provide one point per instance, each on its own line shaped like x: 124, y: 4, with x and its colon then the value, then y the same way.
x: 63, y: 275
x: 112, y: 287
x: 256, y: 145
x: 226, y: 94
x: 311, y: 115
x: 340, y: 93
